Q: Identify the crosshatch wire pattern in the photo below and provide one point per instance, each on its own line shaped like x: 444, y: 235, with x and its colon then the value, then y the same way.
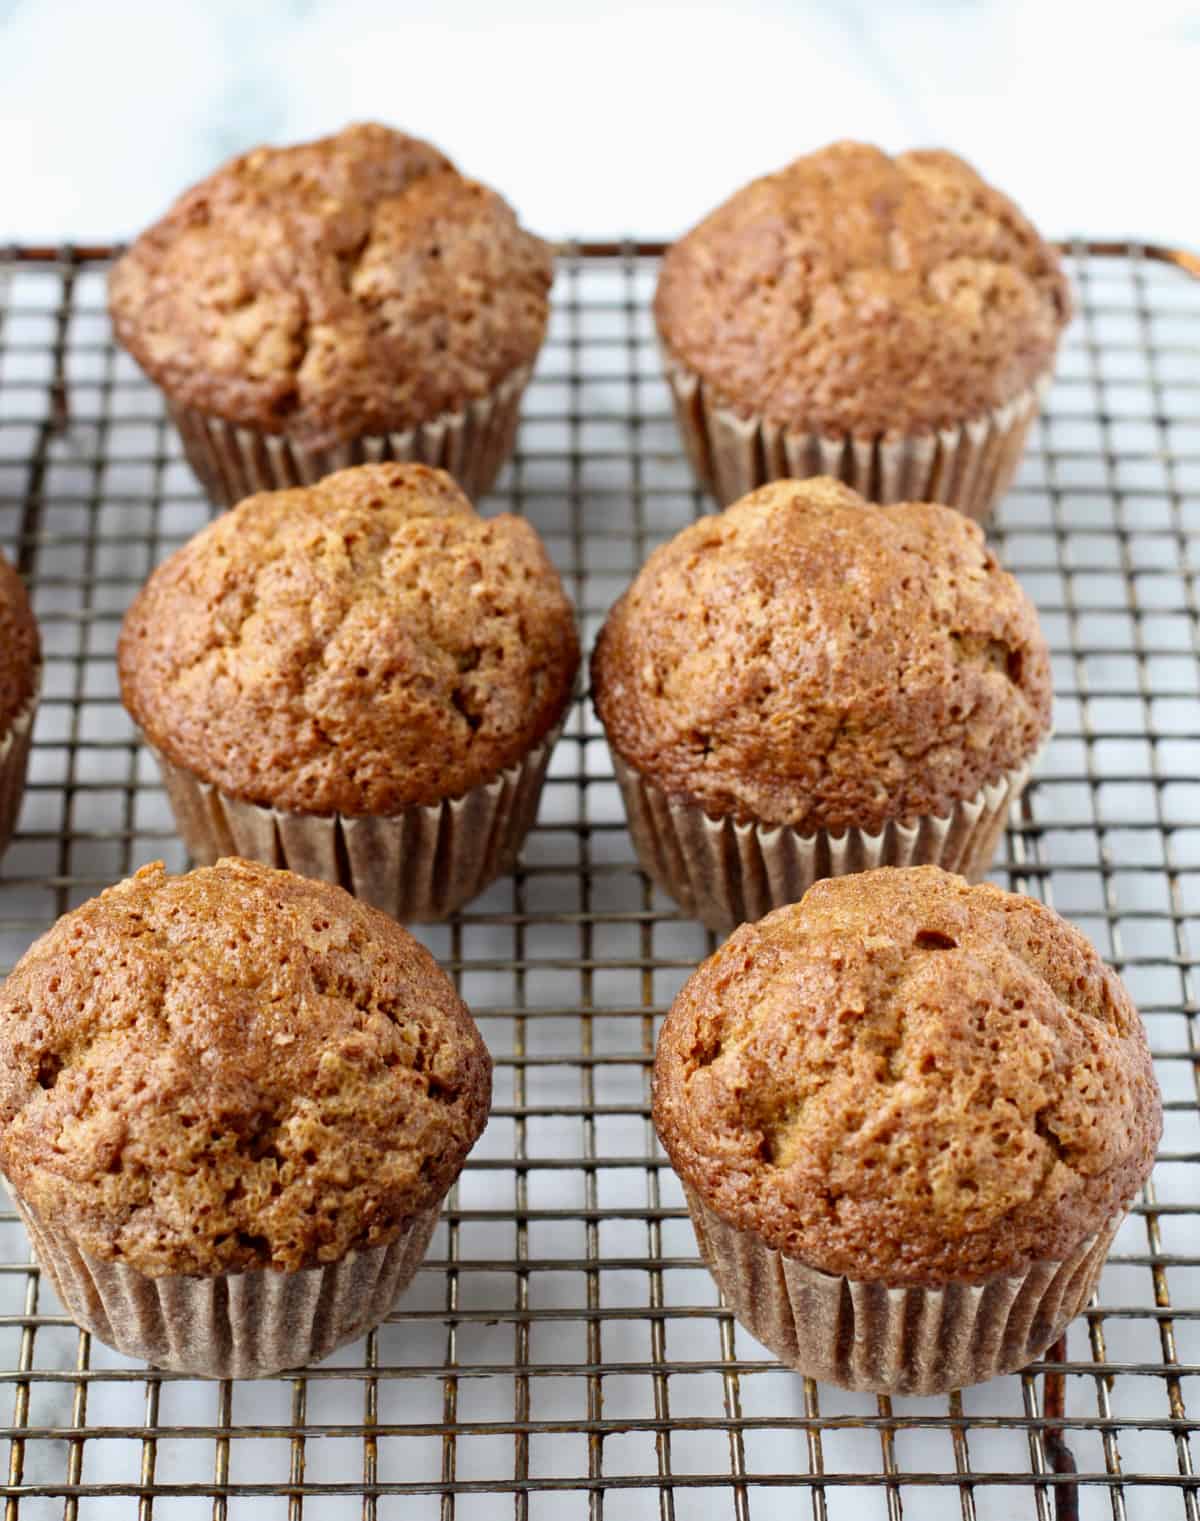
x: 563, y: 1353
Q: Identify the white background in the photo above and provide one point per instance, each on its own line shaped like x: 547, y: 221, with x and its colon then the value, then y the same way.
x: 627, y: 119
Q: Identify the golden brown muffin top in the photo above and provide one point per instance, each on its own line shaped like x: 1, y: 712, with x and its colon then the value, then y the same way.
x: 359, y: 646
x: 907, y: 1079
x: 20, y: 647
x: 807, y: 658
x: 853, y: 293
x: 236, y: 1068
x: 353, y: 285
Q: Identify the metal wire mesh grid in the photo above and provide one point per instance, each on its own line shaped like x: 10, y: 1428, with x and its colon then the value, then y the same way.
x: 563, y: 1353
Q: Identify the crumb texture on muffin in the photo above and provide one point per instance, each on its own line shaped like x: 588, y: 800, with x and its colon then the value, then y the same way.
x: 236, y: 1068
x: 908, y: 1079
x: 805, y: 658
x: 853, y: 293
x: 353, y: 285
x: 20, y: 647
x: 360, y: 646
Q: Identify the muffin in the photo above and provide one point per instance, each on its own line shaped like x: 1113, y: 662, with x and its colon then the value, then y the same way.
x: 20, y: 682
x: 361, y: 680
x: 909, y: 1116
x: 889, y: 321
x: 805, y: 685
x: 231, y: 1104
x: 349, y: 299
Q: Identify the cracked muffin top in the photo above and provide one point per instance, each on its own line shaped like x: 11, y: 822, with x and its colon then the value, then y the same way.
x: 20, y: 647
x: 360, y: 646
x: 810, y: 659
x: 853, y: 293
x: 353, y: 285
x: 906, y: 1079
x: 237, y: 1068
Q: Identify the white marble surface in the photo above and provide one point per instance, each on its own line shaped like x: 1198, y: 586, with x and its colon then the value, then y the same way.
x: 633, y: 120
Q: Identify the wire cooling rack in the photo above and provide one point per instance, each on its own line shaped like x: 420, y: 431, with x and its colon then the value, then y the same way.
x: 563, y: 1353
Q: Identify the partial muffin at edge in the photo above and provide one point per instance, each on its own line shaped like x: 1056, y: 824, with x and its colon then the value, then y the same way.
x: 20, y: 647
x: 910, y: 1080
x: 237, y: 1068
x: 809, y: 659
x: 361, y: 646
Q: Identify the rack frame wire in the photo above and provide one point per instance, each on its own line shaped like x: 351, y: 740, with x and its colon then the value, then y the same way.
x: 563, y: 1352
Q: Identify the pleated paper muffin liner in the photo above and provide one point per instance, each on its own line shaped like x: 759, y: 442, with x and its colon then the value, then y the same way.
x: 417, y: 865
x: 233, y: 462
x: 969, y: 466
x: 727, y: 873
x: 872, y: 1337
x: 234, y: 1325
x: 14, y: 762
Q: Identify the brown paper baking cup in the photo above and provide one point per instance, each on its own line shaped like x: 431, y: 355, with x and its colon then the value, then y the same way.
x: 727, y: 873
x: 14, y: 763
x: 970, y: 466
x: 233, y: 462
x: 872, y: 1337
x: 418, y: 865
x: 236, y: 1325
